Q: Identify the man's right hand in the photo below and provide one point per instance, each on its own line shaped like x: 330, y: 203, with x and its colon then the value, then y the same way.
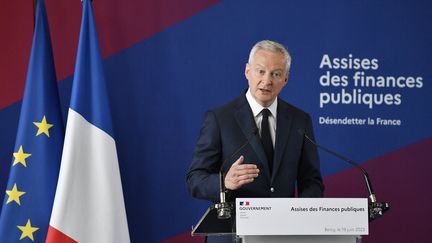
x: 240, y: 174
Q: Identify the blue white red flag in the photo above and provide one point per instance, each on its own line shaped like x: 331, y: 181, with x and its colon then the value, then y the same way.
x: 89, y: 205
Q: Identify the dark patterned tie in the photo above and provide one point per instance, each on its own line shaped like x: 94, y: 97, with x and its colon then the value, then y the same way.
x: 266, y: 138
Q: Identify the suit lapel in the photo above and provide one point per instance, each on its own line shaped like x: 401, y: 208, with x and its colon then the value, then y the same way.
x: 283, y: 124
x: 247, y: 124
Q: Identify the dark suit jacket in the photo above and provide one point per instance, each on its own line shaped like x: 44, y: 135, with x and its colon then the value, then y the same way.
x: 295, y: 167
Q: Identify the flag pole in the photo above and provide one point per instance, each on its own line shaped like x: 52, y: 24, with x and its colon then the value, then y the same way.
x: 34, y: 14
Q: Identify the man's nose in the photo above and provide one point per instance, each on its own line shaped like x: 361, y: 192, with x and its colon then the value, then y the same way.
x: 267, y: 78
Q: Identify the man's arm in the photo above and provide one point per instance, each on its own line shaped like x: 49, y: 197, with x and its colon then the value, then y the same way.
x: 202, y: 178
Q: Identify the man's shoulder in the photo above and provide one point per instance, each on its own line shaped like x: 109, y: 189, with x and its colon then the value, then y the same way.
x: 285, y: 107
x: 231, y: 106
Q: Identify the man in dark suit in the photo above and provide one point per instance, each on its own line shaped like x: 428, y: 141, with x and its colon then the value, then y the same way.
x: 277, y: 161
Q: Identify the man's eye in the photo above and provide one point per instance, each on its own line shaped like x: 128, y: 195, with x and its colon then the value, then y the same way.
x: 261, y: 72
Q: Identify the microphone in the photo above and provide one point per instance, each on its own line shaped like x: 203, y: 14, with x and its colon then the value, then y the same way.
x: 376, y: 209
x: 224, y: 208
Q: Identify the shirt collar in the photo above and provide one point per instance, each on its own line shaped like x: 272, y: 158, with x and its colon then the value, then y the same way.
x: 257, y: 108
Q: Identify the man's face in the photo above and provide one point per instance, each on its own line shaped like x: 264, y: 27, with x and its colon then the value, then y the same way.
x: 266, y: 75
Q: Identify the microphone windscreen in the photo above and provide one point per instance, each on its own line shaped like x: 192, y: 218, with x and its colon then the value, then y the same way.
x: 301, y: 131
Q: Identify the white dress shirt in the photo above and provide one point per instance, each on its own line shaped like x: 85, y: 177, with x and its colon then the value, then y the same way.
x: 256, y: 110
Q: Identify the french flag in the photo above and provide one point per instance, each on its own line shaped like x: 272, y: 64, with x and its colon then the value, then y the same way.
x: 88, y: 205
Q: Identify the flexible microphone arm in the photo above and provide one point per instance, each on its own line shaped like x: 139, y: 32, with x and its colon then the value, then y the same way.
x: 365, y: 174
x: 376, y: 209
x: 224, y: 208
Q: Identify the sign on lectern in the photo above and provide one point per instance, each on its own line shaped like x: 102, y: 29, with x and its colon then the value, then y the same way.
x: 308, y: 217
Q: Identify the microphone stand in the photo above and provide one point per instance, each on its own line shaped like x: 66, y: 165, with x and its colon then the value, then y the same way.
x: 376, y: 209
x: 224, y: 208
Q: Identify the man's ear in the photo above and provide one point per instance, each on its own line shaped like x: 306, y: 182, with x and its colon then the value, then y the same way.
x: 247, y: 70
x: 286, y: 78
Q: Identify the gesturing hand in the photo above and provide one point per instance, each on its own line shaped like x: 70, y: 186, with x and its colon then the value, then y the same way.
x: 240, y: 174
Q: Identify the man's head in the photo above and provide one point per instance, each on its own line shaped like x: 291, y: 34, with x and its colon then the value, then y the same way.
x: 267, y: 71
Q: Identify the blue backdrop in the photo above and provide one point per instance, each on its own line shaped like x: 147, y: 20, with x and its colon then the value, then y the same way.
x: 160, y: 87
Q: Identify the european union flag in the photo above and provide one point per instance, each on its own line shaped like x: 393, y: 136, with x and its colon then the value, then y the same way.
x: 26, y: 209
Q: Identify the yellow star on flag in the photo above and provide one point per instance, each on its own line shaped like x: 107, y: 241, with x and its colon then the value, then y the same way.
x: 27, y: 230
x: 20, y: 157
x: 14, y: 195
x: 43, y: 127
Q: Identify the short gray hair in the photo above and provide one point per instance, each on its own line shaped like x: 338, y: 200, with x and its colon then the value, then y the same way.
x: 271, y: 46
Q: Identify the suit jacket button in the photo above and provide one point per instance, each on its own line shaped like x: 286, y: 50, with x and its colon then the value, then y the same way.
x: 272, y: 189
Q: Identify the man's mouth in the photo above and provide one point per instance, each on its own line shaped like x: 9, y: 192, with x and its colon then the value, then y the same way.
x: 264, y: 90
